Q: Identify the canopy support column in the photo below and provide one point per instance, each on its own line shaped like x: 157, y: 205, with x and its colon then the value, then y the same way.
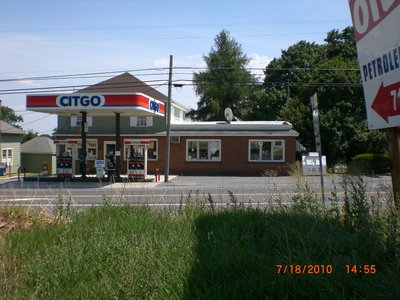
x: 82, y: 158
x: 117, y: 145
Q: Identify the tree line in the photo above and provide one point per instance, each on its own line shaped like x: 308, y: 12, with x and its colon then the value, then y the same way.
x: 8, y: 115
x: 329, y: 69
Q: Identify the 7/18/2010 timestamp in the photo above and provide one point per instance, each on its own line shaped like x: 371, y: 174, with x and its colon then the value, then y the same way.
x: 328, y: 269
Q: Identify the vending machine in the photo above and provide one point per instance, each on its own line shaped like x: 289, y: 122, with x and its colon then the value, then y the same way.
x: 65, y: 164
x: 136, y: 159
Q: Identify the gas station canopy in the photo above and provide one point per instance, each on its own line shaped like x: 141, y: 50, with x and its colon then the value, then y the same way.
x: 133, y: 104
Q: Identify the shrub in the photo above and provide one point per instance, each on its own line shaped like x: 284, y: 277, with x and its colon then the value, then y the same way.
x: 370, y: 163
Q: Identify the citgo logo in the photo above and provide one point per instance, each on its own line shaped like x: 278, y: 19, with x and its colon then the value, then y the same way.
x: 80, y: 100
x: 154, y: 106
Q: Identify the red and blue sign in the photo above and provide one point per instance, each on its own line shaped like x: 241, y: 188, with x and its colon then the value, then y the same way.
x: 376, y: 27
x: 95, y: 103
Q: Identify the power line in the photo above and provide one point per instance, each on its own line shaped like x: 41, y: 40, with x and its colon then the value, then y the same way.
x: 36, y: 120
x: 67, y: 88
x: 156, y: 83
x: 78, y: 75
x: 107, y: 73
x: 11, y: 128
x: 158, y: 26
x: 147, y: 38
x: 185, y: 83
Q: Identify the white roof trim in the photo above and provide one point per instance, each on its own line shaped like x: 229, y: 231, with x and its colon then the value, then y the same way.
x: 290, y: 133
x: 233, y: 126
x: 235, y: 133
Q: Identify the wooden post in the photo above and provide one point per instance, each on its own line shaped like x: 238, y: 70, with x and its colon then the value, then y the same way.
x: 315, y: 114
x: 393, y: 140
x: 1, y: 152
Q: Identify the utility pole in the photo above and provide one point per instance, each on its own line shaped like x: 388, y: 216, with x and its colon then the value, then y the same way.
x: 1, y: 151
x: 315, y: 114
x: 168, y: 117
x: 393, y: 140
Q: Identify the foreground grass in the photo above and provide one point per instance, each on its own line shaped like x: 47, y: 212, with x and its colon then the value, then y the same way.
x: 198, y: 253
x: 103, y: 253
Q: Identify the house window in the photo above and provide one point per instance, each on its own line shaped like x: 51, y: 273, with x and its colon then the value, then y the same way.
x: 141, y: 121
x: 152, y: 153
x: 264, y: 150
x: 203, y: 150
x: 7, y: 156
x: 76, y: 121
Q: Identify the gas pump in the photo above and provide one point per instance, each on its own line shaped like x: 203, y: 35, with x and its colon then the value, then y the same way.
x: 137, y: 159
x: 110, y: 163
x: 66, y: 160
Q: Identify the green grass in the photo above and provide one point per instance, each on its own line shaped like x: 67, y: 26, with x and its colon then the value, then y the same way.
x: 198, y: 253
x: 104, y: 253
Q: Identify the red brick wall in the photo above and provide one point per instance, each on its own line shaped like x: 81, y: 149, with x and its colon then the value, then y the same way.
x: 234, y: 156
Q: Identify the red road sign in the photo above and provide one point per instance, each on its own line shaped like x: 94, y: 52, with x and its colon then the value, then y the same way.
x: 387, y: 101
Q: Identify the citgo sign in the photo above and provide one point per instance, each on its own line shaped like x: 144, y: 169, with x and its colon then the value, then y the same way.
x: 154, y: 105
x: 80, y: 101
x: 96, y: 103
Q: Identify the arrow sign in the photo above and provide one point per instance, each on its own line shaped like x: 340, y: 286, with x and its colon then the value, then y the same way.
x: 387, y: 101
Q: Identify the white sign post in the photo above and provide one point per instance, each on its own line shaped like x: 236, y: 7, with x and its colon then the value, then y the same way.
x: 377, y: 32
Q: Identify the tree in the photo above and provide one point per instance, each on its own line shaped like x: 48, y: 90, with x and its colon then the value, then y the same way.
x: 332, y: 71
x: 225, y: 83
x: 28, y: 135
x: 8, y: 115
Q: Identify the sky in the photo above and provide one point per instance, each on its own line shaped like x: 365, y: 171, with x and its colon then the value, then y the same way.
x: 66, y: 37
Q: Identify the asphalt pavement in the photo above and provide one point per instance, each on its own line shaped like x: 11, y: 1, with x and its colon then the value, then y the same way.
x: 180, y: 189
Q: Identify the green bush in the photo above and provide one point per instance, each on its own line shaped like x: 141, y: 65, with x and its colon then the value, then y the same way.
x: 370, y: 163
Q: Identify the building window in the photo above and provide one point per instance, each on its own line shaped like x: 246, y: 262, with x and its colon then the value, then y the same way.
x: 203, y: 150
x: 152, y: 151
x: 7, y: 156
x: 91, y: 149
x: 72, y: 149
x: 76, y: 121
x: 262, y: 150
x: 141, y: 121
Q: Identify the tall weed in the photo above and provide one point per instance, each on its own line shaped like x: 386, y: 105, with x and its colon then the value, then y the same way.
x: 356, y: 207
x: 305, y: 199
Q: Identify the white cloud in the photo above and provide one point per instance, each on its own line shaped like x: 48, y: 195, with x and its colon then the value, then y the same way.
x: 195, y: 60
x: 258, y: 64
x: 28, y: 82
x: 192, y: 60
x: 18, y: 107
x: 161, y: 63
